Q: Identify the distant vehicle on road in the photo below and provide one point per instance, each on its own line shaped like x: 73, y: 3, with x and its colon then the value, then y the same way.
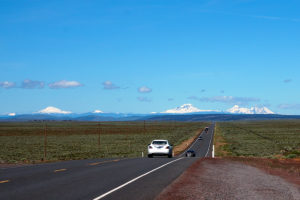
x: 160, y: 148
x: 190, y: 153
x: 206, y: 129
x: 200, y: 138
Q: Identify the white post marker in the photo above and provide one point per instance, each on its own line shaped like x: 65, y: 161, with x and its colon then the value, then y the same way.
x: 142, y: 154
x: 213, y: 152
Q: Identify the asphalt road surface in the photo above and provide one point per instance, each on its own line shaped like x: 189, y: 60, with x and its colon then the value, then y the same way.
x: 130, y: 178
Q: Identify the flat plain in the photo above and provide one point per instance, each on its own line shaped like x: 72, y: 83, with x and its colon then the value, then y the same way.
x: 269, y: 139
x: 254, y: 160
x: 31, y: 142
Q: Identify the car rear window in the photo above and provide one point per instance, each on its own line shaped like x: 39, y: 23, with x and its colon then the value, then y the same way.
x: 159, y: 142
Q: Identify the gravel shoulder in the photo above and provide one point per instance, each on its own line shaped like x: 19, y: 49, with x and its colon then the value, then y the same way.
x: 225, y: 179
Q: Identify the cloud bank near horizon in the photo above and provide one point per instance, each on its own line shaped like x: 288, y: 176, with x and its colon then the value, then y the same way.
x: 289, y: 106
x: 226, y: 99
x: 64, y: 84
x: 30, y: 84
x: 7, y: 84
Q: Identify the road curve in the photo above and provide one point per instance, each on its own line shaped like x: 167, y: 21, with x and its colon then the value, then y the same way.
x: 142, y: 178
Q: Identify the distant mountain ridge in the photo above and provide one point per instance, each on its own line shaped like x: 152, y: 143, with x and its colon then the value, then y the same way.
x: 186, y: 112
x: 219, y: 117
x: 189, y: 108
x: 149, y: 117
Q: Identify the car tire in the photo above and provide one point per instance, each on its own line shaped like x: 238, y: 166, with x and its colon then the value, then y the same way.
x: 170, y: 156
x: 150, y: 156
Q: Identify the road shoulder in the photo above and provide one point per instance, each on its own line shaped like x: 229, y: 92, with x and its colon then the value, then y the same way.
x: 226, y: 179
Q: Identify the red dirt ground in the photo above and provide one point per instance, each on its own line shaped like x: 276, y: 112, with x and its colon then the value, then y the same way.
x: 237, y: 178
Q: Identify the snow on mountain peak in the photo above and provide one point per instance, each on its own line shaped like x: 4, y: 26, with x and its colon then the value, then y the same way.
x: 53, y: 110
x: 98, y: 111
x: 253, y: 110
x: 185, y: 108
x: 11, y: 114
x: 237, y: 110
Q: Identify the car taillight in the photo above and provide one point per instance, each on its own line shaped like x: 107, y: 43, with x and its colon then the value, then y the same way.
x: 167, y: 147
x: 150, y: 147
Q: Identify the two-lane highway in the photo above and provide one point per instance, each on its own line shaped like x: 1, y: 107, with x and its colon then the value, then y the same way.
x: 132, y: 178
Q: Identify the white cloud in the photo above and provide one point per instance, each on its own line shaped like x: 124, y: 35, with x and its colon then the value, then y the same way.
x: 108, y: 85
x: 53, y: 110
x: 144, y: 99
x: 226, y: 99
x: 144, y: 89
x: 29, y: 84
x: 289, y: 106
x: 7, y: 84
x: 11, y: 114
x: 64, y: 84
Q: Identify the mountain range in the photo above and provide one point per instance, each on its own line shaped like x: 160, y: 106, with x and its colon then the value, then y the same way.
x: 186, y: 112
x: 253, y: 110
x: 186, y: 108
x: 189, y: 108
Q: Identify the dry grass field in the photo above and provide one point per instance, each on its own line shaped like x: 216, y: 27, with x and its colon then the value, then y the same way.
x: 270, y: 139
x: 25, y: 142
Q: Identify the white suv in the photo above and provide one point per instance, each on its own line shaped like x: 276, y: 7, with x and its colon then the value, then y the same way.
x: 160, y: 147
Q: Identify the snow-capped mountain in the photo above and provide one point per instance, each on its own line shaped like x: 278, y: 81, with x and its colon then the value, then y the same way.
x: 253, y: 110
x: 98, y: 111
x: 237, y: 110
x: 186, y: 108
x: 262, y: 110
x: 53, y: 110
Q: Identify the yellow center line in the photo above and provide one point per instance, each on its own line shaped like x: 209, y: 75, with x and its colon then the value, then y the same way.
x: 5, y: 181
x: 97, y: 163
x: 60, y: 170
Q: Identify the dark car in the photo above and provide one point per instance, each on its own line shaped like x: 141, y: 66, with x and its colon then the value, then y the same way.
x: 200, y: 138
x: 190, y: 153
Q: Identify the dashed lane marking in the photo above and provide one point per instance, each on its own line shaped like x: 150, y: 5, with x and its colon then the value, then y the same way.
x: 180, y: 155
x: 60, y: 170
x: 5, y: 181
x: 97, y: 163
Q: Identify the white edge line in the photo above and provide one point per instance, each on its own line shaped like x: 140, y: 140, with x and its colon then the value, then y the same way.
x: 210, y: 141
x: 127, y: 183
x: 191, y: 145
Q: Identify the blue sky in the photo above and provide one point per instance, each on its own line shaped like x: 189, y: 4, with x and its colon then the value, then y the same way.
x: 144, y: 56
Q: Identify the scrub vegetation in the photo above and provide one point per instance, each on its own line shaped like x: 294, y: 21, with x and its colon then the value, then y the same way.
x: 31, y: 142
x: 269, y: 139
